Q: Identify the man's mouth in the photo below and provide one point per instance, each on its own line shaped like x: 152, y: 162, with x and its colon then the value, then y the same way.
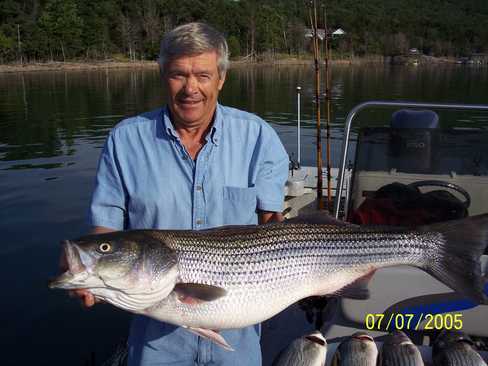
x: 187, y: 102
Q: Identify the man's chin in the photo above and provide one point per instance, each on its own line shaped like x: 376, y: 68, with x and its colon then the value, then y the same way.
x: 189, y: 116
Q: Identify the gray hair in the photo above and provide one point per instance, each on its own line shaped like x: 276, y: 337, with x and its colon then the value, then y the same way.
x: 193, y: 39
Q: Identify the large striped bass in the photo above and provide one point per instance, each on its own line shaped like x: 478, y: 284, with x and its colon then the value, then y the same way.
x: 233, y: 277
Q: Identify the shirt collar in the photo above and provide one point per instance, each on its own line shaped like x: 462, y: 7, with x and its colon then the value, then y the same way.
x: 214, y: 134
x: 168, y: 125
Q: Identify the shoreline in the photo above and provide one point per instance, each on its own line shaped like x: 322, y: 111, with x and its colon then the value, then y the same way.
x: 75, y: 66
x: 101, y: 65
x: 114, y: 65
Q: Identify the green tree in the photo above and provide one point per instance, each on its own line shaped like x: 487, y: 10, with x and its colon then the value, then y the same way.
x: 234, y: 46
x: 63, y: 26
x: 96, y: 26
x: 152, y: 27
x: 6, y: 47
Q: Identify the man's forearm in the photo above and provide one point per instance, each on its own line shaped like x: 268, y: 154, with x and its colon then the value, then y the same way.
x: 101, y: 230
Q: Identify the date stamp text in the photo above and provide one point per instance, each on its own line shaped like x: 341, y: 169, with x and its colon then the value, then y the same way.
x: 407, y: 321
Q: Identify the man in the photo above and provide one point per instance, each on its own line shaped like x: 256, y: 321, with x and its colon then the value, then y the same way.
x: 192, y: 165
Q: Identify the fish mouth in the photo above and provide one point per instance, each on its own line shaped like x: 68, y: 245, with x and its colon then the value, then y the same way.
x: 316, y: 338
x: 399, y: 338
x: 72, y: 266
x: 362, y: 337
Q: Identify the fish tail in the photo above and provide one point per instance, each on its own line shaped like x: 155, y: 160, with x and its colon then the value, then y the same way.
x: 458, y: 265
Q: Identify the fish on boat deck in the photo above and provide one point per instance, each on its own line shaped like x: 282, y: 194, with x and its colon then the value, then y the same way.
x: 357, y: 350
x: 236, y: 276
x: 454, y: 348
x: 309, y: 350
x: 399, y: 350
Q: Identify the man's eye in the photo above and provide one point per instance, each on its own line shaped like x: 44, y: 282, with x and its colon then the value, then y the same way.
x: 204, y: 77
x: 176, y: 76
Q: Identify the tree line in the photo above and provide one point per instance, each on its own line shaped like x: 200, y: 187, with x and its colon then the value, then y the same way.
x: 60, y: 30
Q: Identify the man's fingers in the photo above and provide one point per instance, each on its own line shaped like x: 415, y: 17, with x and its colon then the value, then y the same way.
x: 90, y: 300
x: 86, y: 297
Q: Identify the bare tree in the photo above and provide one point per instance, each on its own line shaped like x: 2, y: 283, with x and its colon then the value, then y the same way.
x: 151, y: 24
x: 128, y: 32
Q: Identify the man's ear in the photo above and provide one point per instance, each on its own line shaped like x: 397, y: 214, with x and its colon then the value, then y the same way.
x: 222, y: 80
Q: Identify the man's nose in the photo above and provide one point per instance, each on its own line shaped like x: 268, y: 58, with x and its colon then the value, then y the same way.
x: 191, y: 85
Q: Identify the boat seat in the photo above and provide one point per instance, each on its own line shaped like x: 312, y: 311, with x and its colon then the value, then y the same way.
x: 410, y: 118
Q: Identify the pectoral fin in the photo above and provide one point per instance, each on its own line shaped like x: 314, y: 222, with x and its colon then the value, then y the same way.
x: 211, y: 335
x: 196, y: 293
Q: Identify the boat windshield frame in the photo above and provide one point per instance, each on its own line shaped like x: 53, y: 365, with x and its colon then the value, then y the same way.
x: 382, y: 103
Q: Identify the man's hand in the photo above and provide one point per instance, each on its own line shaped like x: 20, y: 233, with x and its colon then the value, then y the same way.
x: 86, y: 297
x: 268, y: 216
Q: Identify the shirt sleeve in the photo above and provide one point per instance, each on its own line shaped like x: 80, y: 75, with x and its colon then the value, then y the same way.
x: 108, y: 203
x: 272, y: 172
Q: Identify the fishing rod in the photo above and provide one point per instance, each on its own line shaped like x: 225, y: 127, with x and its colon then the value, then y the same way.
x: 327, y: 53
x: 313, y: 23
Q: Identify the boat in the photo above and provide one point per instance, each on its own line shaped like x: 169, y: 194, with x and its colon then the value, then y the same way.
x: 417, y: 154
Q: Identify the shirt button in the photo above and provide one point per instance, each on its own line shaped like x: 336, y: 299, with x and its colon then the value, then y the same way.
x: 184, y: 157
x: 199, y: 222
x: 199, y: 188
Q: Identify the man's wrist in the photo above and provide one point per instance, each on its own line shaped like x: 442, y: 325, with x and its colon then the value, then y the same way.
x: 269, y: 216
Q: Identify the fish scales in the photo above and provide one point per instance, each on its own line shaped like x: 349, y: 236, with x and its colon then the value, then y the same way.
x: 244, y: 255
x: 254, y: 267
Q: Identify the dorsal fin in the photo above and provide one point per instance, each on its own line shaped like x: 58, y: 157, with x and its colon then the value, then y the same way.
x: 317, y: 219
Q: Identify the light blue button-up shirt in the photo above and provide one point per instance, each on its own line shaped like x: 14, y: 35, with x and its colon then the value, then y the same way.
x: 146, y: 178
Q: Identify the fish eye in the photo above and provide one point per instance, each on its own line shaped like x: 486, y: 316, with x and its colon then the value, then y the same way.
x: 105, y: 247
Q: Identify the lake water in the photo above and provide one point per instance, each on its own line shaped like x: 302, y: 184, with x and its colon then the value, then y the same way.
x: 52, y: 127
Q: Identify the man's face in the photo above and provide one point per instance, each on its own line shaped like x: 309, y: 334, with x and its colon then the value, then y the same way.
x: 193, y: 84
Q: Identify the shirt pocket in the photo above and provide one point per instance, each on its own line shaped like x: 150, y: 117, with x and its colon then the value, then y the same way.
x: 239, y: 206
